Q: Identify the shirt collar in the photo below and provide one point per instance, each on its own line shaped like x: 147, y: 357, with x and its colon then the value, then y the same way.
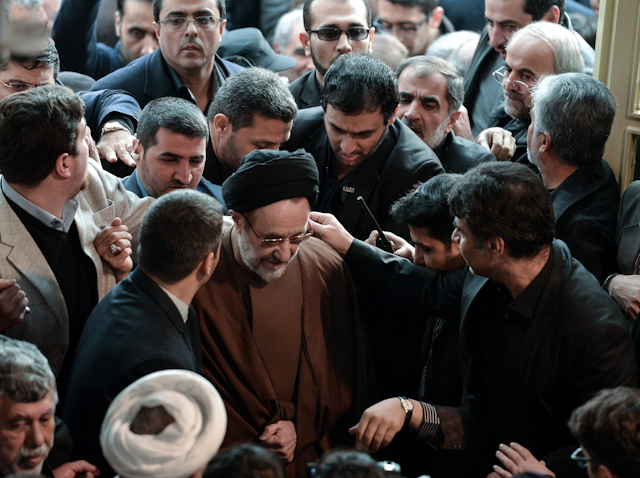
x: 140, y: 185
x: 45, y: 217
x: 183, y: 90
x: 183, y: 308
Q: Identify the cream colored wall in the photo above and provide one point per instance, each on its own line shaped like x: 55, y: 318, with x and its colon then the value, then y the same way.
x: 617, y: 64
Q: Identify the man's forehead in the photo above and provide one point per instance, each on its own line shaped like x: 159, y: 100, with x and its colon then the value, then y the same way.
x: 38, y: 76
x: 531, y: 54
x: 188, y: 7
x: 128, y: 5
x: 506, y: 11
x: 397, y: 10
x: 334, y: 12
x: 10, y: 409
x: 432, y: 84
x: 354, y: 123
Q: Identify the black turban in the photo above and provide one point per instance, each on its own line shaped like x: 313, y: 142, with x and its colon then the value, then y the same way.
x: 267, y: 176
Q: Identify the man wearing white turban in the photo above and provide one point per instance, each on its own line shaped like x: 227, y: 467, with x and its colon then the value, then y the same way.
x: 168, y: 424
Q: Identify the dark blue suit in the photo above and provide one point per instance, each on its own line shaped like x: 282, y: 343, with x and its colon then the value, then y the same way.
x: 148, y: 78
x: 135, y: 330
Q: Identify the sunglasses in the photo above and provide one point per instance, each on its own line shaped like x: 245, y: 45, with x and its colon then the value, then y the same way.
x: 333, y: 34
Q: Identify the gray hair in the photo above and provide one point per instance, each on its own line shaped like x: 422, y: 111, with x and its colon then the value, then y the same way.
x: 429, y: 65
x: 282, y: 33
x: 25, y: 374
x: 250, y: 92
x: 577, y: 112
x: 30, y: 4
x: 455, y: 47
x: 563, y: 44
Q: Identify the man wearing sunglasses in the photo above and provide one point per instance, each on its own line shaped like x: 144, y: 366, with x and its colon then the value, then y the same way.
x: 333, y: 28
x: 279, y: 326
x: 416, y: 23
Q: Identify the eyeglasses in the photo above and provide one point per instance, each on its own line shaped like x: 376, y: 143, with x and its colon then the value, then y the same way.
x: 18, y: 86
x: 406, y: 30
x: 276, y: 241
x: 501, y: 77
x: 581, y: 460
x: 177, y: 24
x: 333, y: 34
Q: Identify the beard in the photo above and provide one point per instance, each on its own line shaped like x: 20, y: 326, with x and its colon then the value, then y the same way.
x: 255, y: 263
x: 515, y: 110
x: 431, y: 138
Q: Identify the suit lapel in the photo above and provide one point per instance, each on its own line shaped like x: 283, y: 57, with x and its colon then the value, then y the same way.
x: 155, y: 70
x: 26, y: 257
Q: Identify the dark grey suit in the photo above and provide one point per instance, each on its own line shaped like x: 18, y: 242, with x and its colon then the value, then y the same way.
x: 135, y: 330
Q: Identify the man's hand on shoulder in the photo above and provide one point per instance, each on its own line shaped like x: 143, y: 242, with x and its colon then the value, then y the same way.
x: 118, y: 145
x: 498, y: 141
x: 113, y: 244
x: 281, y: 438
x: 625, y: 290
x: 13, y: 304
x: 329, y: 229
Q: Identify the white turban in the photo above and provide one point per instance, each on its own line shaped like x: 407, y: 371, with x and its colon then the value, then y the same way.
x: 184, y: 446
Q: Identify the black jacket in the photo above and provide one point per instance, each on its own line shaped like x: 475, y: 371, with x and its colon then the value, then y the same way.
x: 381, y: 182
x: 585, y: 206
x: 306, y: 90
x: 134, y: 330
x: 458, y: 155
x: 576, y: 345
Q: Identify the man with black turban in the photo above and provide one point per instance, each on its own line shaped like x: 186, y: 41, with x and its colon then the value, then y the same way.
x: 280, y: 330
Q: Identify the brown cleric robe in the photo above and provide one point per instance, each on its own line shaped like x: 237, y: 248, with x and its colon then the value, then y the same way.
x: 311, y: 372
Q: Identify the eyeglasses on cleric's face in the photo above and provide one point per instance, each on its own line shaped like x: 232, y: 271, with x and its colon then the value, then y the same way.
x: 18, y: 86
x: 267, y: 242
x: 333, y: 34
x: 177, y: 24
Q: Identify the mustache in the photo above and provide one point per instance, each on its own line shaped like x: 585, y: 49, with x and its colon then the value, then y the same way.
x: 29, y: 452
x: 192, y: 41
x: 414, y: 125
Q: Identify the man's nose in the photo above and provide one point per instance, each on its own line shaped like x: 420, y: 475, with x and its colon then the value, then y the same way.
x: 412, y: 111
x: 36, y: 435
x: 344, y: 44
x: 183, y: 174
x: 348, y: 145
x: 284, y: 251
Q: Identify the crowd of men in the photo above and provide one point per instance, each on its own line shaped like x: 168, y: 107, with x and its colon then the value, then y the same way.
x: 222, y: 257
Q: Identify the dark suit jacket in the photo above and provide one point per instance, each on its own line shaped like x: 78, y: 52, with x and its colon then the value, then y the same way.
x: 585, y: 206
x: 306, y: 90
x: 577, y: 344
x: 135, y: 330
x: 381, y: 182
x: 147, y: 78
x: 628, y: 241
x: 458, y: 155
x: 131, y: 184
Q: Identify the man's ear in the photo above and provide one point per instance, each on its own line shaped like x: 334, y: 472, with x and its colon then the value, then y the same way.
x: 603, y: 472
x: 544, y: 143
x: 304, y: 39
x: 117, y: 24
x: 221, y: 125
x: 63, y: 167
x: 552, y: 15
x: 156, y: 28
x: 496, y: 246
x: 238, y: 219
x: 393, y: 116
x: 436, y: 18
x: 208, y: 265
x: 451, y: 121
x: 139, y: 150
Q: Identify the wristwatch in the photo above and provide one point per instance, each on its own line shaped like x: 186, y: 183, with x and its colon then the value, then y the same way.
x: 407, y: 406
x: 113, y: 126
